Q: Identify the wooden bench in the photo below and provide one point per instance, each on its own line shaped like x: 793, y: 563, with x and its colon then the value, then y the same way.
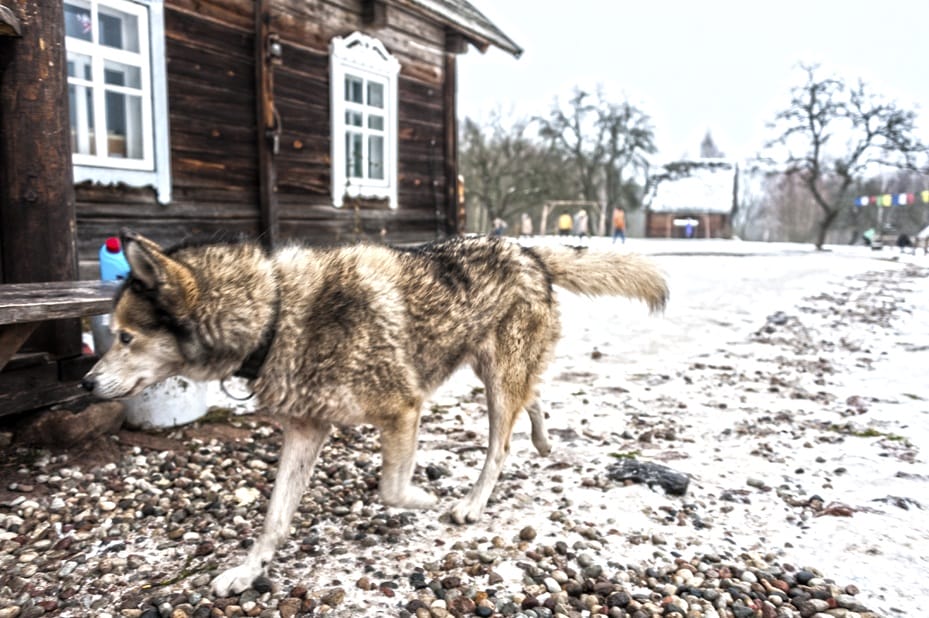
x: 23, y: 306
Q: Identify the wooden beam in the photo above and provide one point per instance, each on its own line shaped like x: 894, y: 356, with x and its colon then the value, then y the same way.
x: 267, y: 126
x: 12, y: 337
x: 374, y: 13
x: 37, y: 238
x: 9, y: 24
x: 450, y: 151
x: 455, y: 42
x: 39, y: 302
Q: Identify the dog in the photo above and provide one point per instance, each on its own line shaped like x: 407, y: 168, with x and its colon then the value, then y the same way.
x: 358, y: 334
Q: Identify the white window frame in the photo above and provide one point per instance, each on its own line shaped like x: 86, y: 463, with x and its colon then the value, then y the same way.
x: 153, y: 169
x: 364, y: 57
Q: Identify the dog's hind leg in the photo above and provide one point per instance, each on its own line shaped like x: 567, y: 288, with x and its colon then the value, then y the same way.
x: 502, y: 412
x: 539, y: 434
x: 398, y: 453
x: 509, y: 367
x: 302, y: 442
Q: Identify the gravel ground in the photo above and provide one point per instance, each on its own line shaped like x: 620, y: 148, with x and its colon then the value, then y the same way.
x: 137, y: 523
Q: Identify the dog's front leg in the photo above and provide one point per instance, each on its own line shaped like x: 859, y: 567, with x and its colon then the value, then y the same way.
x: 302, y: 443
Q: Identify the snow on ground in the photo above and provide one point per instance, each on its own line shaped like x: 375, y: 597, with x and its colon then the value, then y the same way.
x: 762, y: 428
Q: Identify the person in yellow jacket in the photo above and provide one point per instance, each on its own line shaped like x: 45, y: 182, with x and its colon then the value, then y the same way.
x: 565, y: 222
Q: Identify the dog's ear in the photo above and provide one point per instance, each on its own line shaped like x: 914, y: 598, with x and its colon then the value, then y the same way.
x: 169, y: 282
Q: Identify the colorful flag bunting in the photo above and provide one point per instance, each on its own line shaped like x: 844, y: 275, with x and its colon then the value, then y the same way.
x: 893, y: 199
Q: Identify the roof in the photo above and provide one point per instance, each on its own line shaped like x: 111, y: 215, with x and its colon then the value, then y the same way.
x: 706, y: 189
x: 463, y: 16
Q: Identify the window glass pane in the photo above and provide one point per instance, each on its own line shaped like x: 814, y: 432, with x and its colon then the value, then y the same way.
x: 354, y: 87
x: 376, y: 122
x: 124, y: 125
x: 106, y: 88
x: 118, y: 29
x: 79, y: 66
x: 353, y: 119
x: 376, y: 157
x: 119, y: 74
x: 376, y: 94
x: 353, y: 155
x: 77, y: 22
x: 80, y: 99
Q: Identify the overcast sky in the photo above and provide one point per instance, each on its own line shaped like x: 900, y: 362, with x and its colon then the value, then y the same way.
x: 718, y: 65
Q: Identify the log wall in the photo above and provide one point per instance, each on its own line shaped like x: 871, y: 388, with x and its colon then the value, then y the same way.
x: 211, y: 98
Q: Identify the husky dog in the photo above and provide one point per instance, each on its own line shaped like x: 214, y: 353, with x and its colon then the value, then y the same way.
x: 360, y: 334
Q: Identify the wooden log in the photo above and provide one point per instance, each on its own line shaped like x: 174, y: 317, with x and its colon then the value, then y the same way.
x: 450, y: 150
x: 267, y: 122
x: 37, y: 240
x: 38, y: 302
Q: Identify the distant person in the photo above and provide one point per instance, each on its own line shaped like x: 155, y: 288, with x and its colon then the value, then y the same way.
x: 868, y: 236
x: 499, y: 227
x: 619, y: 225
x: 904, y: 241
x: 580, y: 223
x: 525, y: 225
x: 564, y: 224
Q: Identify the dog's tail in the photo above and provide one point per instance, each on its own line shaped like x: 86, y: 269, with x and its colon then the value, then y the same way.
x: 606, y: 273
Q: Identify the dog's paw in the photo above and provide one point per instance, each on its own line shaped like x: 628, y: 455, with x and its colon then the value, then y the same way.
x: 541, y: 444
x: 235, y: 580
x: 466, y: 513
x: 411, y: 497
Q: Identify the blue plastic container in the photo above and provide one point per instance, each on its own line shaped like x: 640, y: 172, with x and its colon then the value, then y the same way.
x: 113, y: 264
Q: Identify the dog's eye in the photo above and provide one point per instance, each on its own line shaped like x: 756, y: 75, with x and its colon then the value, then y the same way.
x: 124, y: 337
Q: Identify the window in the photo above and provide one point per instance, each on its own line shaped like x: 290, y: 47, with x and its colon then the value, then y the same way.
x: 364, y: 119
x: 117, y: 93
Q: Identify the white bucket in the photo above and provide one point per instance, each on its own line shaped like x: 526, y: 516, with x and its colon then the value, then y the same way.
x: 175, y: 401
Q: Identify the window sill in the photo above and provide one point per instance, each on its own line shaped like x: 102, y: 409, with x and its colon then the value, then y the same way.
x: 131, y: 178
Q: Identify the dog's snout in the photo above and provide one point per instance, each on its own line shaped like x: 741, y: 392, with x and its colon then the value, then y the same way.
x: 89, y: 383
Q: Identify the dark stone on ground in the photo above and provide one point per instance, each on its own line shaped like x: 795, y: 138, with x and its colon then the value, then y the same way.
x: 650, y: 473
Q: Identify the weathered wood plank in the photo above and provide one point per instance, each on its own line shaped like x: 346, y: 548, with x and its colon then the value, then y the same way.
x: 37, y: 302
x: 12, y: 338
x: 37, y: 387
x: 218, y: 37
x: 225, y: 12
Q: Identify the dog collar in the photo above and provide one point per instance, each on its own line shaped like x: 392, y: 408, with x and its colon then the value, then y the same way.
x: 253, y: 363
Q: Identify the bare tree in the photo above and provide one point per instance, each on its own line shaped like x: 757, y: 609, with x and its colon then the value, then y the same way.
x: 506, y: 172
x: 575, y: 130
x: 601, y: 141
x: 833, y: 132
x: 630, y: 138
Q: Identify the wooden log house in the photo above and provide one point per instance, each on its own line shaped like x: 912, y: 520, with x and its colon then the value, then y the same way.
x: 695, y: 199
x: 322, y: 121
